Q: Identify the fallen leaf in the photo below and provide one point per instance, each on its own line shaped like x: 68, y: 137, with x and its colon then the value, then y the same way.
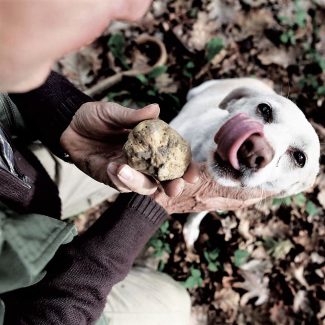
x: 166, y: 84
x: 203, y: 30
x: 228, y: 301
x: 301, y: 303
x: 256, y: 283
x: 81, y: 67
x: 279, y: 56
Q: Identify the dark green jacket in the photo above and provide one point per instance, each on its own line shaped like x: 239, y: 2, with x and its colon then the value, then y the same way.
x: 27, y: 241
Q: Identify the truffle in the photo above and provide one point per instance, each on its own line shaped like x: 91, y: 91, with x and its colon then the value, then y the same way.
x: 155, y: 149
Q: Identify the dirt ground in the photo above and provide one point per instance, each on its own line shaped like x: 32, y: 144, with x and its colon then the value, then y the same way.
x: 260, y: 265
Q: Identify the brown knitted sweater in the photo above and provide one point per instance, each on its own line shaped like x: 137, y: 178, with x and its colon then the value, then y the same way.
x: 82, y: 273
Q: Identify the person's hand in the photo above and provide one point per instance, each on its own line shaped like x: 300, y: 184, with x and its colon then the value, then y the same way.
x: 207, y: 195
x: 94, y: 141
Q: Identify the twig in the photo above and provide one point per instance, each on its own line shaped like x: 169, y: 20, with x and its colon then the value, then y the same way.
x: 113, y: 80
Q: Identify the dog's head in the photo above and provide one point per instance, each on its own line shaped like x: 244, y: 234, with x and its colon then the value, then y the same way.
x: 264, y: 141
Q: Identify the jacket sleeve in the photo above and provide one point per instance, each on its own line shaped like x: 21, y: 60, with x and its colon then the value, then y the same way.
x: 82, y: 273
x: 48, y: 110
x: 27, y: 243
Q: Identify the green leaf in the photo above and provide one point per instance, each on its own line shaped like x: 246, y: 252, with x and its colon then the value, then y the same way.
x: 299, y: 200
x: 190, y: 283
x: 190, y: 65
x: 143, y: 79
x: 292, y: 37
x: 152, y: 92
x: 161, y: 265
x: 301, y: 18
x: 214, y: 254
x: 311, y: 208
x: 282, y: 201
x: 195, y: 273
x: 321, y: 91
x: 278, y: 249
x: 164, y: 228
x: 214, y: 46
x: 187, y: 69
x: 116, y: 45
x: 282, y: 248
x: 301, y: 14
x: 194, y: 279
x: 284, y: 38
x: 199, y: 282
x: 240, y: 257
x: 206, y: 255
x: 157, y: 243
x: 157, y: 71
x: 321, y: 62
x: 284, y: 19
x: 213, y: 267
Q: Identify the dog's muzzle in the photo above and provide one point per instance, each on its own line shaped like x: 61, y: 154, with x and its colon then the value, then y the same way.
x: 241, y: 141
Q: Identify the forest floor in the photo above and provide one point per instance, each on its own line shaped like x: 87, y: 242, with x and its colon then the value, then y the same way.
x: 260, y: 265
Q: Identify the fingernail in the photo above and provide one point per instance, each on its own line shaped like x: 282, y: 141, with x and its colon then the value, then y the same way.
x: 112, y: 168
x: 126, y: 173
x: 154, y: 104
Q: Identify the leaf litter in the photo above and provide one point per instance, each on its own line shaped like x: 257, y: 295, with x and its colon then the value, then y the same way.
x: 260, y: 265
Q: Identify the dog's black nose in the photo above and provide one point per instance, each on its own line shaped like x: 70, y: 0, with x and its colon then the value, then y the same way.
x: 255, y: 152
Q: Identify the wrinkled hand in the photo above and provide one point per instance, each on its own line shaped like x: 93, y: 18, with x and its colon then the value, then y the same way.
x: 95, y: 138
x: 207, y: 195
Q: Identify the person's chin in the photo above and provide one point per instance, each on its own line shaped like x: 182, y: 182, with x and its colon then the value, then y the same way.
x: 23, y: 82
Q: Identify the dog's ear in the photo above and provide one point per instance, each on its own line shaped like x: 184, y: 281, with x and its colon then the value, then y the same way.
x: 236, y: 94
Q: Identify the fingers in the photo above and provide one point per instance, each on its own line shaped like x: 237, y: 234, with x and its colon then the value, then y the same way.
x: 192, y: 174
x: 174, y: 188
x: 126, y: 117
x: 127, y: 179
x: 135, y: 116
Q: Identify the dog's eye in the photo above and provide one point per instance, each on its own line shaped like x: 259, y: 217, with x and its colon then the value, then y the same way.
x: 299, y: 158
x: 266, y: 111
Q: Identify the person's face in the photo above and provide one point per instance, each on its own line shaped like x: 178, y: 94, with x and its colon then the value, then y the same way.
x: 34, y: 33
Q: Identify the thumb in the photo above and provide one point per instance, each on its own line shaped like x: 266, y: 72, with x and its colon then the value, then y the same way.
x: 128, y: 117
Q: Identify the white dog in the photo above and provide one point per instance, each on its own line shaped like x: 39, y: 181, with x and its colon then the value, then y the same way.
x: 250, y: 137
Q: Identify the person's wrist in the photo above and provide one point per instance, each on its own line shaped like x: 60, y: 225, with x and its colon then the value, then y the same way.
x: 163, y: 200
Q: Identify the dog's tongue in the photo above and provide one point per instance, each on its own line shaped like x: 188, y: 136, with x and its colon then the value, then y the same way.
x: 233, y: 134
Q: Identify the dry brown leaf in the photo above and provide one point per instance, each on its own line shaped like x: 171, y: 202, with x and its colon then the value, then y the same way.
x: 321, y: 197
x: 321, y: 3
x: 321, y: 314
x: 278, y: 313
x: 301, y: 303
x: 255, y: 22
x: 81, y: 67
x: 256, y: 283
x: 199, y: 315
x: 202, y: 31
x: 166, y: 84
x: 279, y: 56
x: 275, y: 228
x: 298, y: 273
x: 244, y: 229
x: 139, y: 60
x: 228, y: 224
x: 228, y: 301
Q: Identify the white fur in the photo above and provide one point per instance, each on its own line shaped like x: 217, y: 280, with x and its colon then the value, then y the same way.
x: 201, y: 118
